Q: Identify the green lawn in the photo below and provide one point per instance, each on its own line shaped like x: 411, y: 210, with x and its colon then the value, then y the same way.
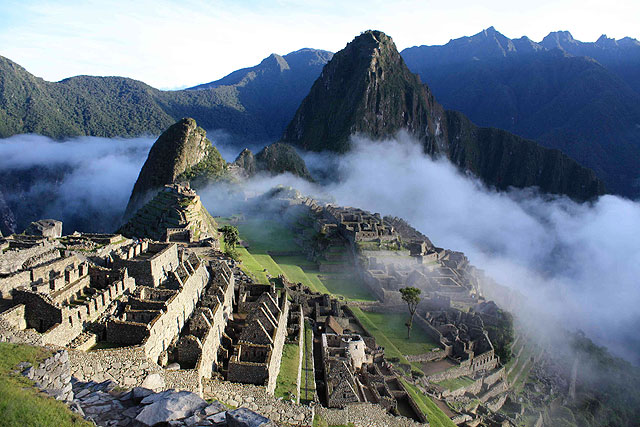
x: 286, y: 384
x: 435, y: 416
x: 455, y: 383
x: 393, y: 326
x: 20, y: 403
x: 348, y: 285
x: 251, y: 266
x: 266, y: 235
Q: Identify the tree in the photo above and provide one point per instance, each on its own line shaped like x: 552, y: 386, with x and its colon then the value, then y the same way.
x: 412, y: 297
x: 230, y: 235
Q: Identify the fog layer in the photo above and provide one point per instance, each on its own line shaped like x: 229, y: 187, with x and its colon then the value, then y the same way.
x: 85, y: 182
x: 579, y: 263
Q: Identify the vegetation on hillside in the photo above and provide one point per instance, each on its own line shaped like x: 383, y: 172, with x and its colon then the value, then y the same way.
x: 21, y: 404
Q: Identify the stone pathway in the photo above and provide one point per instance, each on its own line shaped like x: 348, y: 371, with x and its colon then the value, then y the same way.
x: 107, y: 405
x: 256, y: 398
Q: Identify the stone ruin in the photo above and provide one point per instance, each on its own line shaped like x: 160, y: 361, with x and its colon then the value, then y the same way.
x: 463, y: 338
x: 160, y: 306
x: 259, y: 339
x: 356, y: 225
x: 45, y: 228
x: 175, y: 214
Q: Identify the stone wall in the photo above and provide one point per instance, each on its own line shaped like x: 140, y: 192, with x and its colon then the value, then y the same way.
x: 16, y: 280
x: 73, y: 318
x: 363, y: 414
x: 15, y: 316
x: 256, y: 398
x: 53, y: 376
x: 165, y: 327
x: 278, y: 344
x: 151, y: 269
x: 128, y: 366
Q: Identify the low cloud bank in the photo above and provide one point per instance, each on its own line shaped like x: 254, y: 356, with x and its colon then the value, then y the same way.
x: 85, y: 182
x: 578, y: 263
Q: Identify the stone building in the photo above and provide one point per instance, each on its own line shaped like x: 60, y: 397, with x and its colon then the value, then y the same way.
x: 150, y: 263
x: 257, y: 351
x: 66, y: 294
x: 200, y: 339
x: 357, y: 225
x: 155, y: 315
x: 463, y: 339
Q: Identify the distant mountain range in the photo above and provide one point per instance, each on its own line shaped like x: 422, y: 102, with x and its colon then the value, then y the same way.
x: 588, y: 107
x: 252, y: 104
x: 367, y: 89
x: 582, y: 98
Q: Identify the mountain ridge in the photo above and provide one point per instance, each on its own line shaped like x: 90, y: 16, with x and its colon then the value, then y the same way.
x: 557, y: 97
x: 367, y: 88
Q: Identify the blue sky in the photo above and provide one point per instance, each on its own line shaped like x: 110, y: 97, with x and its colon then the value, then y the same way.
x: 171, y: 44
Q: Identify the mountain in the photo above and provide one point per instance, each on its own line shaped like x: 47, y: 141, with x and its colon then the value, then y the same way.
x: 274, y: 89
x: 275, y: 158
x: 181, y: 153
x: 367, y: 88
x: 572, y: 103
x: 253, y: 104
x: 622, y: 57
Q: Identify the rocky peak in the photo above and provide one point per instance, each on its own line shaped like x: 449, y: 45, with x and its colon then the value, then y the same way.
x: 274, y: 63
x: 276, y: 158
x: 365, y: 88
x: 558, y: 40
x: 182, y: 152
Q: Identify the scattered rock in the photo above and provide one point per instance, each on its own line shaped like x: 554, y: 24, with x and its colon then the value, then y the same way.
x: 243, y: 417
x: 172, y: 407
x: 154, y: 382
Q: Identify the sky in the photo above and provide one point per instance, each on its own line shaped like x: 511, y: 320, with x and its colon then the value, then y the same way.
x: 176, y: 44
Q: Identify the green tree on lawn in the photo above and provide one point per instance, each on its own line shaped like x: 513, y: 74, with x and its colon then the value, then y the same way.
x: 230, y: 235
x: 411, y: 296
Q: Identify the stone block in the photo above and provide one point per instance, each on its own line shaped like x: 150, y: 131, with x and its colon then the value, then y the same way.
x: 171, y: 407
x: 243, y: 417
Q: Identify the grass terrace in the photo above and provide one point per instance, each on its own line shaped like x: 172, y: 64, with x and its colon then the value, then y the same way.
x: 455, y: 383
x: 21, y: 404
x: 435, y: 416
x: 392, y: 325
x: 286, y: 384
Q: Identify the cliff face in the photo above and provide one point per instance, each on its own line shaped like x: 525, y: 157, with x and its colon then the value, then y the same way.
x: 502, y: 159
x: 584, y: 108
x: 367, y: 88
x: 181, y: 153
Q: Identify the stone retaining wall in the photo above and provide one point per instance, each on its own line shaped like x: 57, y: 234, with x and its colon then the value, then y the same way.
x: 53, y: 376
x: 256, y: 398
x: 363, y: 415
x: 128, y: 366
x: 15, y: 316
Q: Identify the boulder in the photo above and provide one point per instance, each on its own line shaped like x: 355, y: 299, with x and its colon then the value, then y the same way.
x: 153, y: 382
x: 214, y: 408
x: 243, y: 417
x: 171, y: 407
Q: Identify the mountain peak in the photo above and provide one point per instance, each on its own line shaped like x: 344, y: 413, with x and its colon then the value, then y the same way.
x: 365, y: 88
x: 274, y: 62
x: 181, y: 152
x: 558, y: 40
